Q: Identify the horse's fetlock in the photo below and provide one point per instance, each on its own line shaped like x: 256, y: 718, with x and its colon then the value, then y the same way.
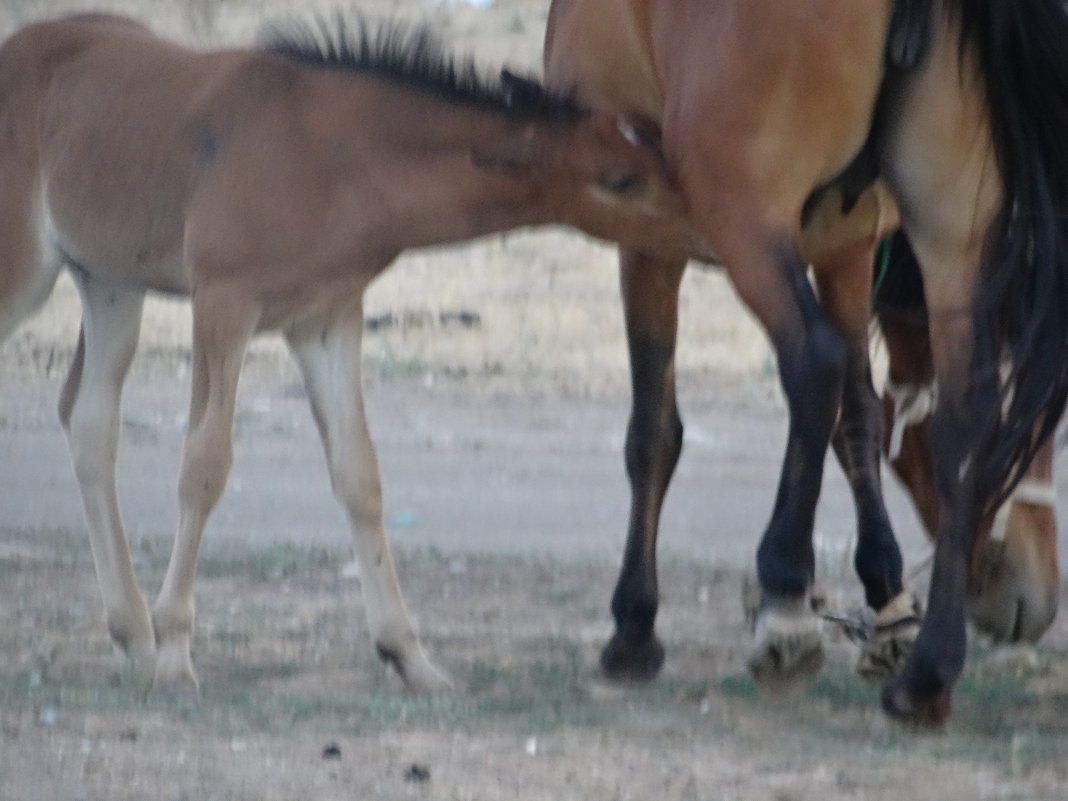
x: 171, y: 622
x: 129, y: 633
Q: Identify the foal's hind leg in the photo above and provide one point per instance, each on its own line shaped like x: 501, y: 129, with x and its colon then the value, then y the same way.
x: 90, y: 412
x: 223, y: 323
x: 654, y: 440
x: 329, y: 357
x: 23, y: 290
x: 844, y: 279
x: 27, y: 270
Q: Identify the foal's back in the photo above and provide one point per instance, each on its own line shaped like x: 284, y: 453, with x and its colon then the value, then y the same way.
x: 119, y: 128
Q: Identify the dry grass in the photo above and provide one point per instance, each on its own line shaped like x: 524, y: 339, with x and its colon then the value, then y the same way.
x: 287, y: 673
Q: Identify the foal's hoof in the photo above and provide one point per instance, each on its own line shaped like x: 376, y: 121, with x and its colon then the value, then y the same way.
x: 140, y: 669
x: 419, y: 674
x: 789, y: 649
x: 896, y: 627
x: 175, y: 678
x: 623, y: 660
x: 920, y: 712
x: 175, y: 689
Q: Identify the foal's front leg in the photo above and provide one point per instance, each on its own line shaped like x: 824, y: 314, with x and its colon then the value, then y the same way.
x: 650, y: 290
x: 329, y: 356
x: 223, y: 323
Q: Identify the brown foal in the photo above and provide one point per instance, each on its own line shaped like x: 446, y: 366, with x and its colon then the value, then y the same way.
x: 270, y: 185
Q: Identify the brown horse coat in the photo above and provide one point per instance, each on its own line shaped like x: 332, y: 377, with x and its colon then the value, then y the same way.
x: 271, y: 186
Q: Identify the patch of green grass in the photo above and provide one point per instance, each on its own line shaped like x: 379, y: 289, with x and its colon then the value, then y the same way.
x: 282, y: 560
x: 390, y: 367
x: 740, y: 686
x: 841, y: 689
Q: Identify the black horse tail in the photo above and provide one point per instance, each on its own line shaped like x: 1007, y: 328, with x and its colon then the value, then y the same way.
x: 1021, y: 311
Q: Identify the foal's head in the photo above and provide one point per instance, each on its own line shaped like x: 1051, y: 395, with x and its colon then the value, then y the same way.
x: 599, y: 171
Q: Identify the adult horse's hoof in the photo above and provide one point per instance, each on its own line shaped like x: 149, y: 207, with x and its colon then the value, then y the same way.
x: 626, y: 661
x: 897, y: 625
x: 920, y: 712
x: 789, y: 649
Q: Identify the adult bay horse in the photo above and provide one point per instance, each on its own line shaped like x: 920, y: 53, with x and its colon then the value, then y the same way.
x: 271, y: 185
x: 962, y: 106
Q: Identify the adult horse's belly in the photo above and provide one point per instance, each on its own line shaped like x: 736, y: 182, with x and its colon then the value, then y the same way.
x: 600, y: 49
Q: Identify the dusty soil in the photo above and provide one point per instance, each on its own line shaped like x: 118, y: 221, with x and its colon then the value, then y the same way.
x: 497, y: 395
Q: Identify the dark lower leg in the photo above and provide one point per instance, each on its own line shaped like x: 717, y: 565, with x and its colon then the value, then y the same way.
x: 857, y: 442
x: 810, y: 367
x: 654, y: 442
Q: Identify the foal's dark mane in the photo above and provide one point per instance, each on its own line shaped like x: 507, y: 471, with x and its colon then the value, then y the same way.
x: 414, y: 56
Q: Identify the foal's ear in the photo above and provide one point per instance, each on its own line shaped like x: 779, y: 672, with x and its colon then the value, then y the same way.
x: 512, y: 155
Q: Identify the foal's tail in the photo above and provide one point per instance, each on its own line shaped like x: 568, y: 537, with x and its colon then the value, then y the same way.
x: 1022, y: 308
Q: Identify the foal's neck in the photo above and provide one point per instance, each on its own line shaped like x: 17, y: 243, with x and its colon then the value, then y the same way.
x: 441, y: 195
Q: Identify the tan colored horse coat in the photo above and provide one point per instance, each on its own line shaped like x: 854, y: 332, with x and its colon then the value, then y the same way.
x: 271, y: 188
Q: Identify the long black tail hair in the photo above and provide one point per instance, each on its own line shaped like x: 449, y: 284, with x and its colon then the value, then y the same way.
x: 1021, y: 312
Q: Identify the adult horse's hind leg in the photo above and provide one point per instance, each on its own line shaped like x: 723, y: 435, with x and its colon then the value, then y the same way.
x: 650, y: 292
x: 922, y: 692
x: 766, y: 268
x: 223, y: 323
x: 89, y: 410
x: 329, y: 357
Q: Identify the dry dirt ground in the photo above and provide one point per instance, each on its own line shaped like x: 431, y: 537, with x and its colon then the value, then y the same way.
x: 497, y: 395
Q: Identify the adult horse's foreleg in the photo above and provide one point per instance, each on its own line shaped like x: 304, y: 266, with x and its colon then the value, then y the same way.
x: 650, y: 290
x: 965, y: 368
x: 89, y: 410
x: 223, y: 323
x: 844, y: 280
x: 329, y: 358
x: 1015, y: 585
